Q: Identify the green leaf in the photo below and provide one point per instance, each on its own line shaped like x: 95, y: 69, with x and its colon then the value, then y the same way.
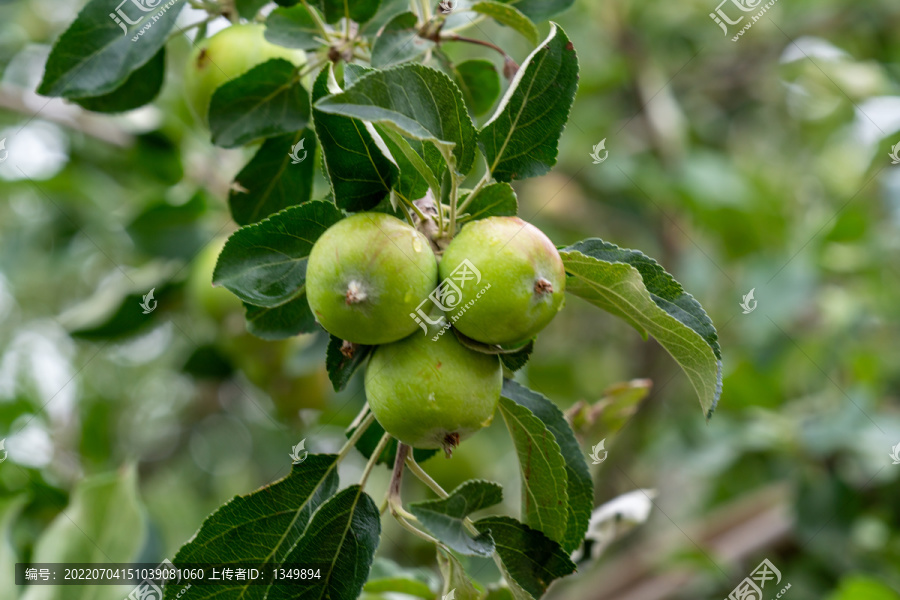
x: 95, y: 55
x: 494, y: 200
x: 521, y: 139
x: 358, y: 10
x: 399, y: 585
x: 361, y: 176
x: 414, y: 175
x: 517, y: 360
x: 637, y: 289
x: 399, y: 42
x: 281, y: 322
x: 10, y: 507
x: 580, y: 486
x: 264, y: 264
x: 418, y: 101
x: 266, y: 101
x: 531, y: 560
x: 104, y: 521
x: 509, y: 16
x: 444, y: 517
x: 141, y: 87
x: 340, y: 366
x: 541, y: 10
x: 543, y: 469
x: 353, y: 71
x: 271, y: 181
x: 342, y: 537
x: 262, y: 527
x: 455, y: 578
x: 248, y: 9
x: 369, y: 441
x: 480, y: 84
x: 293, y: 27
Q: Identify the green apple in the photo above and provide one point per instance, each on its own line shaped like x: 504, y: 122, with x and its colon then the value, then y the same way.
x: 226, y: 55
x: 432, y: 394
x: 513, y: 284
x: 366, y: 275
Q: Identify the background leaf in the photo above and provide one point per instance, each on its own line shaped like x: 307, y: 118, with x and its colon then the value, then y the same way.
x: 141, y: 87
x: 283, y: 321
x: 369, y: 441
x: 358, y: 10
x: 340, y: 367
x: 480, y: 84
x: 531, y: 560
x: 10, y: 507
x: 522, y: 137
x: 455, y: 578
x: 361, y: 176
x: 444, y: 517
x: 271, y: 181
x: 265, y: 264
x: 620, y: 282
x: 293, y: 27
x: 104, y: 522
x: 93, y: 56
x: 262, y: 527
x: 510, y: 16
x: 342, y: 537
x: 266, y: 101
x: 248, y: 8
x: 541, y: 10
x: 580, y: 486
x: 418, y: 101
x: 399, y: 42
x: 543, y: 470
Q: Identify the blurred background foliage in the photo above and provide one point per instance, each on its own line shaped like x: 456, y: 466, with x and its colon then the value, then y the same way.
x: 759, y: 164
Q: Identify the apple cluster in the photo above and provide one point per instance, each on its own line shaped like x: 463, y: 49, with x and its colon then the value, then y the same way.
x: 366, y: 280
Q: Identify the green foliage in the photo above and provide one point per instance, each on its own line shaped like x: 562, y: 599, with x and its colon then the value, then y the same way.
x: 635, y: 288
x: 93, y: 57
x: 396, y: 135
x: 522, y: 137
x: 271, y: 181
x: 417, y: 101
x: 444, y: 518
x: 266, y: 101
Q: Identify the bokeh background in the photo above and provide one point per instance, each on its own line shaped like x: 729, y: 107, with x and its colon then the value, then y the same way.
x: 760, y: 164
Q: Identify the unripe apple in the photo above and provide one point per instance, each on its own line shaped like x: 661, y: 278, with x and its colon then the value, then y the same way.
x: 365, y: 276
x: 523, y: 270
x: 225, y: 56
x: 432, y: 394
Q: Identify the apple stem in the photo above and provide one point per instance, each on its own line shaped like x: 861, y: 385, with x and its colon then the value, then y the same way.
x: 373, y: 460
x: 358, y: 433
